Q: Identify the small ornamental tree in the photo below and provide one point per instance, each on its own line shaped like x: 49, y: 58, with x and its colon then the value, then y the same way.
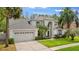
x: 42, y: 30
x: 72, y: 33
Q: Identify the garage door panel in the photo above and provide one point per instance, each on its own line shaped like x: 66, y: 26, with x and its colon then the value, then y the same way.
x: 22, y: 37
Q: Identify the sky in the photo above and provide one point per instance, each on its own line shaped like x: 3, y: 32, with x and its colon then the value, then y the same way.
x: 27, y: 11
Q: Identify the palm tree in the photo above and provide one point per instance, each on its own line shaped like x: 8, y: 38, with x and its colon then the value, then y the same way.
x: 76, y: 19
x: 10, y: 12
x: 66, y: 17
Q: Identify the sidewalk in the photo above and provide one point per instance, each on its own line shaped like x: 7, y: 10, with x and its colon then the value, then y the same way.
x: 64, y: 46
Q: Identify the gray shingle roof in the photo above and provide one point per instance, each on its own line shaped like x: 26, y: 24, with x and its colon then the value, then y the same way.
x: 20, y: 24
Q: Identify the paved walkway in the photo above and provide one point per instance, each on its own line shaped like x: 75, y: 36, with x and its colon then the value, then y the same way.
x: 31, y: 46
x: 64, y: 46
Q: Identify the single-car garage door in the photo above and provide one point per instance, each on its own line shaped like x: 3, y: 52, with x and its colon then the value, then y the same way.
x: 23, y: 36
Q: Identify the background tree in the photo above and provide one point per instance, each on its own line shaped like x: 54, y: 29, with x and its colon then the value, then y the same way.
x: 55, y: 17
x: 10, y: 12
x: 2, y: 21
x: 3, y: 25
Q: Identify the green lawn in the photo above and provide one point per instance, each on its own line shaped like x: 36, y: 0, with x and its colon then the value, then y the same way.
x: 52, y: 43
x: 57, y: 42
x: 74, y: 48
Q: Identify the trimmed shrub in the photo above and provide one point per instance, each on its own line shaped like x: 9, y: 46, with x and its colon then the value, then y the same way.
x: 38, y: 38
x: 11, y: 41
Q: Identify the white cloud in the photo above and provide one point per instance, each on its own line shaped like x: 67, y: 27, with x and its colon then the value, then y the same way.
x: 38, y: 7
x: 31, y: 7
x: 76, y: 10
x: 39, y: 13
x: 58, y: 10
x: 44, y: 7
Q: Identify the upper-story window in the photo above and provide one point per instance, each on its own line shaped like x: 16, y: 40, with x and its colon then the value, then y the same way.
x: 29, y: 22
x: 37, y: 22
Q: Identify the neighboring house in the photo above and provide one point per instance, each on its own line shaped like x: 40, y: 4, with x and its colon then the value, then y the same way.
x: 47, y: 21
x: 72, y: 25
x: 20, y: 30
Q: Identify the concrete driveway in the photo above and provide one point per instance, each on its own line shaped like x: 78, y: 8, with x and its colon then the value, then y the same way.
x: 31, y: 46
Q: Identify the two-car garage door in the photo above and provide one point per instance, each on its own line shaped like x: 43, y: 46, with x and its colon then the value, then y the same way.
x: 23, y: 36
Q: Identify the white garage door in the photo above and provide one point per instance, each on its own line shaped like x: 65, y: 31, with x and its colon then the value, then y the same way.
x: 23, y: 36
